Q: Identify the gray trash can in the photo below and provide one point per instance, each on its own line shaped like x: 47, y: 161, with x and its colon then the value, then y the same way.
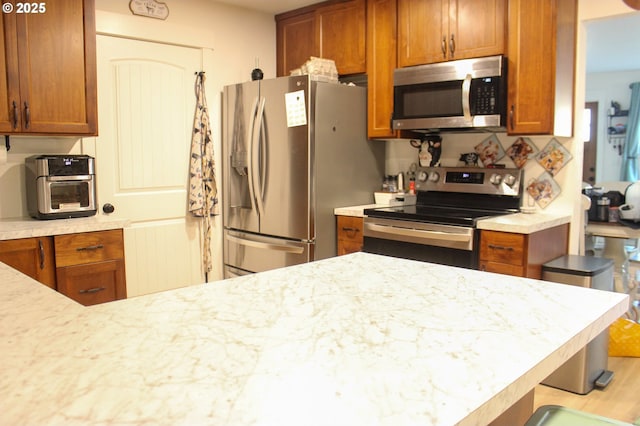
x: 588, y: 368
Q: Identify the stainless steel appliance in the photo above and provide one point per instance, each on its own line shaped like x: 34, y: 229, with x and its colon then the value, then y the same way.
x: 463, y: 94
x: 293, y: 150
x: 588, y: 368
x: 60, y: 186
x: 441, y: 227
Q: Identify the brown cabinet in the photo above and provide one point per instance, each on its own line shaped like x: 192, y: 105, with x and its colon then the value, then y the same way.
x: 541, y: 66
x: 31, y: 256
x: 522, y: 254
x: 49, y: 67
x: 349, y: 232
x: 90, y: 266
x: 381, y: 61
x: 441, y: 30
x: 331, y: 30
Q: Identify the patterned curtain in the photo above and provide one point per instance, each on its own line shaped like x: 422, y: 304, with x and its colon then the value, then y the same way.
x: 630, y: 171
x: 203, y: 191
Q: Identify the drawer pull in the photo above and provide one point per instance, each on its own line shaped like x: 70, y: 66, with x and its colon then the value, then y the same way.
x: 90, y: 248
x: 495, y: 247
x: 349, y: 229
x: 92, y: 290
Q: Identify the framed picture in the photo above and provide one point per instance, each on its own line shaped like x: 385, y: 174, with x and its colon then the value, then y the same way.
x: 543, y: 190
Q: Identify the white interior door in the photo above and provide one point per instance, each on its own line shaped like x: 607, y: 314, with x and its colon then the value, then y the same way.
x: 146, y: 106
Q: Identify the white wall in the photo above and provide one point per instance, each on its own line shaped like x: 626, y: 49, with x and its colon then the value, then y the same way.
x: 604, y: 87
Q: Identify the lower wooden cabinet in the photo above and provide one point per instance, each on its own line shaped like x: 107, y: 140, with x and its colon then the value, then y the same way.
x: 31, y: 256
x: 522, y: 255
x: 90, y: 266
x: 349, y: 232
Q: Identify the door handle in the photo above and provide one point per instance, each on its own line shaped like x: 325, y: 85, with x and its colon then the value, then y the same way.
x: 41, y: 251
x: 27, y: 115
x: 255, y: 156
x: 15, y: 115
x: 466, y: 93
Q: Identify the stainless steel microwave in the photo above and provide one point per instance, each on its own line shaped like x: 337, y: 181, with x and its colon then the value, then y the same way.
x: 464, y: 94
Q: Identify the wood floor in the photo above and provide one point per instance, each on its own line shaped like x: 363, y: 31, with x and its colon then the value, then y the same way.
x: 620, y: 400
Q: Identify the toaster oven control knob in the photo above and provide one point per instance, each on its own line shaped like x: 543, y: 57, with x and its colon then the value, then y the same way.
x: 495, y: 179
x: 434, y: 176
x: 108, y: 208
x: 422, y: 176
x: 509, y: 180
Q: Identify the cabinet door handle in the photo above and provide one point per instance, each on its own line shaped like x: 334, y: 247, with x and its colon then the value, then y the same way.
x: 495, y: 247
x: 90, y: 248
x: 443, y: 46
x: 27, y: 115
x: 92, y: 290
x: 349, y: 229
x: 41, y: 251
x: 452, y: 45
x: 15, y: 115
x: 511, y: 116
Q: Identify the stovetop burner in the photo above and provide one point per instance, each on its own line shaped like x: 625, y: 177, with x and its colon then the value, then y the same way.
x: 443, y: 215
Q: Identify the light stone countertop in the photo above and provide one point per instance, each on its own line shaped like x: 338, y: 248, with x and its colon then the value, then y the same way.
x: 355, y: 211
x: 14, y: 228
x: 360, y: 339
x: 523, y: 223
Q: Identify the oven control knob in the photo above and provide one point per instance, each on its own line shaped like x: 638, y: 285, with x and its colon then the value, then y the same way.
x: 422, y: 176
x: 434, y: 176
x: 495, y: 179
x: 509, y: 180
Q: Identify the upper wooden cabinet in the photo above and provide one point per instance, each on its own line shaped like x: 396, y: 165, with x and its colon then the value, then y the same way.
x: 541, y: 66
x: 49, y: 67
x: 441, y: 30
x: 331, y: 30
x: 381, y: 61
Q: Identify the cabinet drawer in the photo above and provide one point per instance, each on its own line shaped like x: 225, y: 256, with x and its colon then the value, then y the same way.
x: 88, y: 247
x: 92, y: 284
x: 350, y: 228
x: 502, y: 247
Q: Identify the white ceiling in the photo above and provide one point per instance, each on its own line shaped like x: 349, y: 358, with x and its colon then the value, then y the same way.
x: 612, y: 43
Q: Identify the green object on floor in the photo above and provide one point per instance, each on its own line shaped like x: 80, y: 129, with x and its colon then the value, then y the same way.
x: 555, y: 415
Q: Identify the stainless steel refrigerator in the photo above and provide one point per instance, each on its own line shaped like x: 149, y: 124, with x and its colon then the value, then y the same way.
x: 293, y: 150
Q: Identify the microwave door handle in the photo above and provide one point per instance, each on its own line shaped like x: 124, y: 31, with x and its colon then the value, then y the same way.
x: 466, y: 93
x: 257, y: 181
x: 250, y: 138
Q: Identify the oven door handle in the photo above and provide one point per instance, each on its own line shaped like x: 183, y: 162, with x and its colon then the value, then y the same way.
x: 416, y: 233
x: 68, y: 178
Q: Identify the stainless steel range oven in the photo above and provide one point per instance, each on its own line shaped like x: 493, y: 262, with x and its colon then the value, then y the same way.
x: 442, y: 226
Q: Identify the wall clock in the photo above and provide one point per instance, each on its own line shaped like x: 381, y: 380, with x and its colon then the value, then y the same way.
x: 149, y: 8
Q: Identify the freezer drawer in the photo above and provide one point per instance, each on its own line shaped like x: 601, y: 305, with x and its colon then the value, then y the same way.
x: 257, y: 253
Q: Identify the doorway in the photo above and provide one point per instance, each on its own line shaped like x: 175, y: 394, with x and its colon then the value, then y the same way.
x: 590, y: 154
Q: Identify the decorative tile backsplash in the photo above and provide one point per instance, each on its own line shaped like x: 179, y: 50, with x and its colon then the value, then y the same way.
x: 542, y: 158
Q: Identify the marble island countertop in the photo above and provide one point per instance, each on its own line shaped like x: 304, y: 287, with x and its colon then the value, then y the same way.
x: 26, y: 227
x: 353, y: 340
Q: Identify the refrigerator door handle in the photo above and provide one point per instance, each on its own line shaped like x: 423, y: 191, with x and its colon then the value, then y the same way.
x: 250, y: 171
x: 266, y: 246
x: 257, y: 162
x: 263, y: 155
